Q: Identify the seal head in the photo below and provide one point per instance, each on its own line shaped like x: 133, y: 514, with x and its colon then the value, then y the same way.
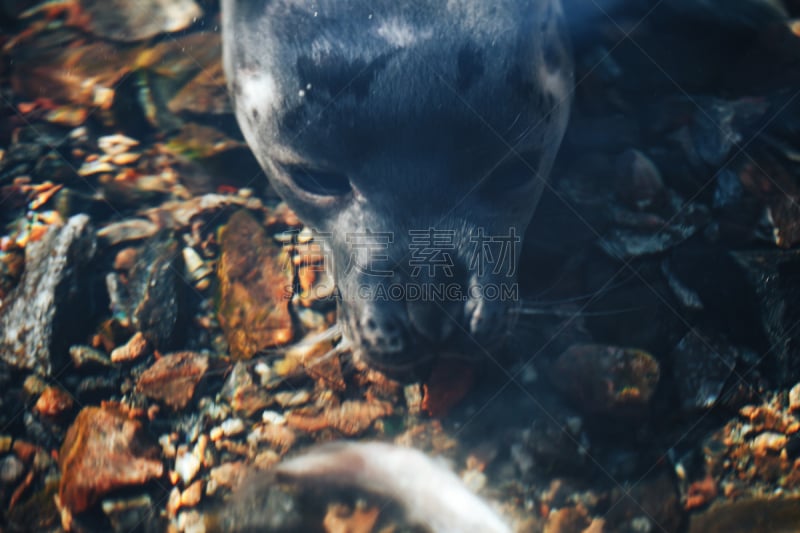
x: 415, y: 138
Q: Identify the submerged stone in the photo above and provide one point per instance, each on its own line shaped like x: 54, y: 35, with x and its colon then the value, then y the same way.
x: 255, y: 288
x: 173, y: 378
x: 135, y: 21
x: 154, y: 291
x: 47, y: 311
x: 607, y: 379
x: 104, y: 450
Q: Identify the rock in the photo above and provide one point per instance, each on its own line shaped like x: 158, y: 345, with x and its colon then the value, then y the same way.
x: 187, y: 465
x: 11, y: 469
x: 768, y: 443
x: 637, y: 234
x: 774, y: 276
x: 180, y: 214
x: 638, y: 184
x: 567, y: 520
x: 292, y: 398
x: 173, y: 378
x: 192, y: 495
x: 136, y: 347
x: 154, y: 291
x: 37, y: 513
x: 719, y: 126
x: 33, y: 385
x: 313, y: 356
x: 54, y: 403
x: 746, y: 515
x: 244, y: 396
x: 229, y: 475
x: 191, y: 522
x: 125, y: 21
x: 132, y: 229
x: 232, y: 427
x: 104, y: 450
x: 131, y: 514
x: 350, y: 418
x: 701, y: 493
x: 173, y: 503
x: 255, y: 287
x: 702, y: 366
x: 794, y: 398
x: 86, y: 356
x: 606, y: 379
x: 48, y: 310
x: 206, y: 93
x: 116, y: 144
x: 279, y: 437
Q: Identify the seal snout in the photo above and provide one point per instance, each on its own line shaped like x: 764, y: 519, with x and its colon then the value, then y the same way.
x: 407, y: 335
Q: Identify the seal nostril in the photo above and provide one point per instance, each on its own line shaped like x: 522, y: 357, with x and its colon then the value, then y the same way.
x: 382, y: 333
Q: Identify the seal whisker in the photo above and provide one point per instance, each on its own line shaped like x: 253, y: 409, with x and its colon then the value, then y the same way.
x: 577, y: 298
x: 566, y: 313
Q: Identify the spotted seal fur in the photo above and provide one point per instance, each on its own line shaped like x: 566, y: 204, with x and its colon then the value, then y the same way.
x: 378, y: 119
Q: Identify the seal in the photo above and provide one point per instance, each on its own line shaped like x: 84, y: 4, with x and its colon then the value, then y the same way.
x: 415, y: 138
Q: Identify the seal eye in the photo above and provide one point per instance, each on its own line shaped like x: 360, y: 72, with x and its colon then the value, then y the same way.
x: 318, y: 182
x: 511, y: 176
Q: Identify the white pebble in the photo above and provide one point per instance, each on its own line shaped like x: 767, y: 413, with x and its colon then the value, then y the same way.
x: 187, y: 465
x: 273, y: 417
x: 233, y: 427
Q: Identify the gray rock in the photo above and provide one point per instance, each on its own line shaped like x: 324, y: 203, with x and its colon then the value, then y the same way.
x: 41, y: 316
x: 11, y: 469
x: 154, y: 292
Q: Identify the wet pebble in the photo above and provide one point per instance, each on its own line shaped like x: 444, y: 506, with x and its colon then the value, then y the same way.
x: 87, y: 357
x: 229, y: 428
x: 767, y: 443
x: 607, y: 379
x: 125, y: 21
x: 44, y: 313
x: 253, y: 305
x: 187, y: 465
x: 136, y: 347
x: 154, y: 304
x: 129, y: 514
x: 173, y: 378
x: 54, y: 403
x: 11, y: 470
x: 191, y: 522
x: 104, y: 450
x: 133, y: 229
x: 5, y: 443
x: 278, y: 436
x: 702, y: 366
x: 350, y: 418
x: 293, y: 398
x: 639, y: 183
x: 794, y: 398
x: 193, y: 494
x: 243, y: 395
